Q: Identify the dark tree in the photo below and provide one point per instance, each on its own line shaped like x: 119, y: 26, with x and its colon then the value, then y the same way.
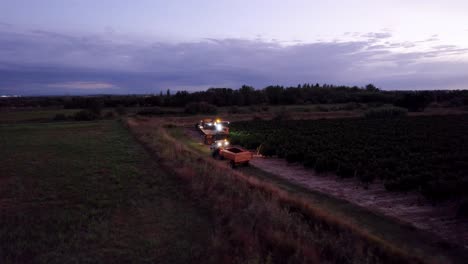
x: 413, y: 101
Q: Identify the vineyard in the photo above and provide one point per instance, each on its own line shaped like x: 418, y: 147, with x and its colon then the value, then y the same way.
x: 429, y: 154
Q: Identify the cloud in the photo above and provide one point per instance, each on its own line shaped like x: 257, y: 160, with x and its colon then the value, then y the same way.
x: 434, y: 37
x: 82, y: 85
x: 377, y: 35
x: 43, y: 62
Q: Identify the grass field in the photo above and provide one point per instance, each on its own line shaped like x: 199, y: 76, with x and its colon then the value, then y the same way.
x: 33, y: 115
x: 86, y: 192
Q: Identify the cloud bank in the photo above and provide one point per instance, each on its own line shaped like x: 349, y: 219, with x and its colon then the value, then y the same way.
x: 41, y: 62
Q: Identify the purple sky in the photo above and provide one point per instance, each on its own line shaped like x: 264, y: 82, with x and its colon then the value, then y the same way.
x: 115, y: 46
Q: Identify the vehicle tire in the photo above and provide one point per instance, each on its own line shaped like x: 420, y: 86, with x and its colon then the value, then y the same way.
x: 233, y: 164
x: 246, y: 164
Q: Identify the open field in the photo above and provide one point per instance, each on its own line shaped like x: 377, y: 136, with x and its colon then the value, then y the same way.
x: 86, y: 192
x: 32, y: 115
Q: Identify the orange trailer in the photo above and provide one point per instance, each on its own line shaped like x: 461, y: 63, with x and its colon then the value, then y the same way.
x: 236, y: 155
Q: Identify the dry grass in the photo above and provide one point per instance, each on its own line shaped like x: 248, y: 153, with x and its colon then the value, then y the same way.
x: 88, y: 193
x: 257, y: 222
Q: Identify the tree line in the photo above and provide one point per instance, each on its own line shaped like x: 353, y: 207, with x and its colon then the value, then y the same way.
x: 247, y: 95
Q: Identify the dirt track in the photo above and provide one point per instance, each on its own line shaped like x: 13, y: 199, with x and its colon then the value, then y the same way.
x: 410, y: 207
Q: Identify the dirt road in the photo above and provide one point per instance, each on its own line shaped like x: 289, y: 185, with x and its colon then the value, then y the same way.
x: 409, y: 207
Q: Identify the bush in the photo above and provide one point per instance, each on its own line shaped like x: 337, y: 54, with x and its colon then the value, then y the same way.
x: 256, y: 118
x: 255, y: 108
x: 121, y: 110
x: 109, y: 115
x: 386, y: 112
x: 294, y: 156
x: 60, y: 117
x: 267, y: 150
x: 414, y: 101
x: 351, y: 106
x: 85, y: 115
x: 463, y: 208
x: 150, y: 111
x: 301, y: 109
x: 322, y: 108
x: 96, y: 107
x: 234, y: 110
x: 200, y: 108
x: 282, y: 115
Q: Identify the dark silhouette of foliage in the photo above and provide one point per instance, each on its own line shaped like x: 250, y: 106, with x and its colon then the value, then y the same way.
x: 85, y: 115
x: 121, y: 110
x: 247, y: 95
x: 386, y: 112
x: 200, y: 108
x: 414, y: 101
x: 60, y: 117
x: 426, y: 153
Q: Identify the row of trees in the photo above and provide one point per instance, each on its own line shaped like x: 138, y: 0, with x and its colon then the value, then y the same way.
x: 247, y: 95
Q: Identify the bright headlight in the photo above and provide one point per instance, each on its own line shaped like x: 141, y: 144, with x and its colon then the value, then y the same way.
x: 219, y: 127
x: 219, y: 144
x: 226, y: 143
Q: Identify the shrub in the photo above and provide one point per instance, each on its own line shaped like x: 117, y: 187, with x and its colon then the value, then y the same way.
x: 200, y: 108
x: 322, y: 108
x: 255, y: 108
x: 310, y: 160
x: 96, y: 107
x: 414, y: 101
x: 109, y: 115
x: 351, y: 106
x: 463, y: 208
x: 85, y: 115
x: 234, y: 110
x: 150, y: 111
x: 301, y: 109
x: 345, y: 170
x: 121, y: 110
x: 60, y: 117
x: 282, y: 115
x: 267, y: 150
x: 256, y: 118
x: 294, y: 156
x: 386, y: 112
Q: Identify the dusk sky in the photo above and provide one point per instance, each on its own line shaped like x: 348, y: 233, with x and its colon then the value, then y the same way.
x: 115, y: 46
